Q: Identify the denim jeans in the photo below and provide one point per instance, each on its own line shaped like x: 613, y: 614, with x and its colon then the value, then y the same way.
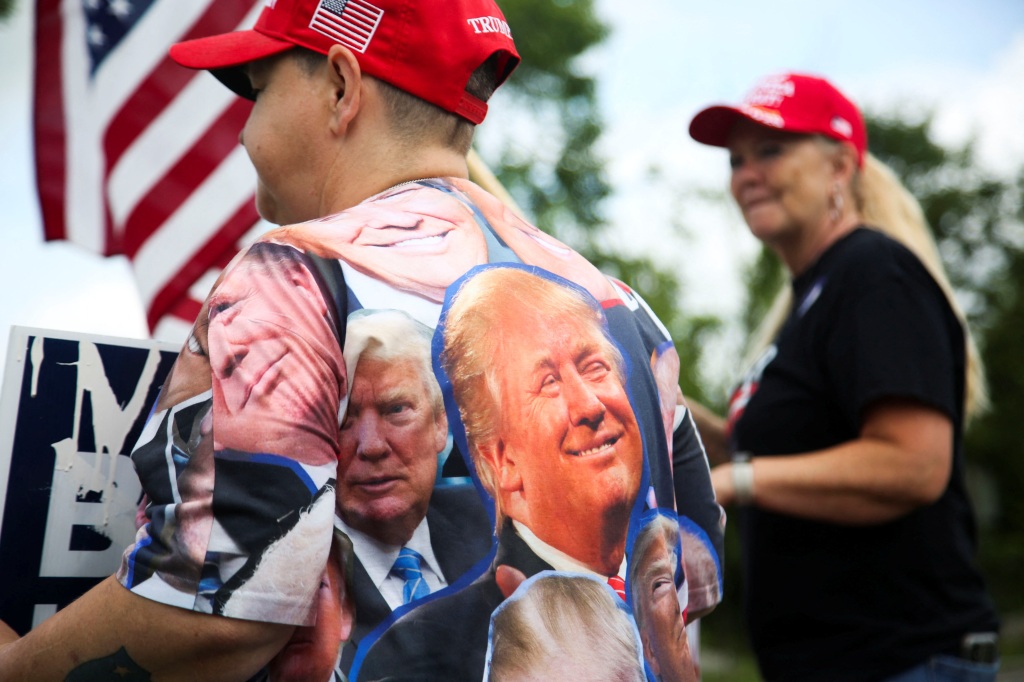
x: 948, y: 669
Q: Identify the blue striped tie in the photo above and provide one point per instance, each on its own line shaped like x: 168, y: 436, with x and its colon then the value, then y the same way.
x: 407, y: 567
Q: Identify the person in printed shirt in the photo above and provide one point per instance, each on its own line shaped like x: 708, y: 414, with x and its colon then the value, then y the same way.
x: 353, y: 103
x: 341, y: 114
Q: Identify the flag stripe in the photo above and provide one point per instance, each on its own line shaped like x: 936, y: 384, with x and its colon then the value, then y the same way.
x: 85, y: 211
x: 171, y: 326
x: 194, y: 167
x: 195, y: 114
x: 178, y: 240
x: 50, y: 137
x: 160, y: 90
x: 135, y: 154
x: 185, y: 309
x: 177, y: 287
x: 164, y: 83
x: 139, y: 56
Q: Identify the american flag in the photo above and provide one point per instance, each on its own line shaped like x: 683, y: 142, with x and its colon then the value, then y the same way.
x: 136, y: 155
x: 350, y: 22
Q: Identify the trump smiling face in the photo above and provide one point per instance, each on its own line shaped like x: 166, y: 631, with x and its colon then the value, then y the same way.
x: 566, y: 453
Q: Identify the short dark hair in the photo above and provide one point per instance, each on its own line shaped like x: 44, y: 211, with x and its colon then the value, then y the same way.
x: 413, y: 118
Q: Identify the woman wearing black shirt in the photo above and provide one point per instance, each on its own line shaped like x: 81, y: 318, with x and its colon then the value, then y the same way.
x: 846, y: 431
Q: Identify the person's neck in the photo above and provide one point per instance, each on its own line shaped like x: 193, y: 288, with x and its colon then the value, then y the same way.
x: 803, y: 253
x: 600, y: 546
x: 369, y: 175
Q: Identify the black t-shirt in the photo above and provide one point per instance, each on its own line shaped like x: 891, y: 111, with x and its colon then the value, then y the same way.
x: 832, y: 602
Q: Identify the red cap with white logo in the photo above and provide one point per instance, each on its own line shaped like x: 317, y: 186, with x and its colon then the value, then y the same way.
x: 428, y: 48
x: 794, y: 102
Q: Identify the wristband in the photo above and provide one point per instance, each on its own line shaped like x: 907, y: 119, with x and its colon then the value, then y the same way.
x: 743, y: 478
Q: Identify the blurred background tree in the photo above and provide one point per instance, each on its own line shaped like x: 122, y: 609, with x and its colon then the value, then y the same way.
x: 550, y: 165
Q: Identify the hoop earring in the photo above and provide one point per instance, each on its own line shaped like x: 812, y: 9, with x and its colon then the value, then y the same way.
x: 835, y: 204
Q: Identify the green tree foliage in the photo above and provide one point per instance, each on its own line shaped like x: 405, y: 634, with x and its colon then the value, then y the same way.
x: 994, y: 439
x: 563, y: 185
x: 763, y: 279
x: 557, y: 176
x: 6, y: 7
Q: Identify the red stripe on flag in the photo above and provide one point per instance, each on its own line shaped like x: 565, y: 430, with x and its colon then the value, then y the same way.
x: 153, y: 96
x: 186, y: 309
x: 50, y: 137
x: 225, y: 257
x: 168, y: 194
x: 213, y: 251
x: 166, y: 81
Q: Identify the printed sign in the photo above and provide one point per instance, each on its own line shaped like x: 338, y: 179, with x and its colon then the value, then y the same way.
x: 72, y: 407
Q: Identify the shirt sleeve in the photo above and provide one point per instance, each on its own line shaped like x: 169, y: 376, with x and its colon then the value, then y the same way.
x: 701, y: 518
x: 240, y: 477
x: 896, y: 338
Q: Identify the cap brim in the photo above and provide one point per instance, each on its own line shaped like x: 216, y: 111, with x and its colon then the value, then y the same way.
x: 713, y: 125
x: 224, y: 54
x: 227, y: 49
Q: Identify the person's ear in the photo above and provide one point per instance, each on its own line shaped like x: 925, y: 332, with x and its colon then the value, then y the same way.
x: 844, y: 163
x: 509, y: 478
x: 346, y: 83
x: 503, y: 463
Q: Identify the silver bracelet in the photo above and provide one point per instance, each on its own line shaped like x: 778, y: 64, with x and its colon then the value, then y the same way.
x: 743, y: 478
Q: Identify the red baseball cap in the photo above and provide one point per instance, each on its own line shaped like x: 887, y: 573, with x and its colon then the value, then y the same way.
x: 793, y: 102
x: 428, y: 48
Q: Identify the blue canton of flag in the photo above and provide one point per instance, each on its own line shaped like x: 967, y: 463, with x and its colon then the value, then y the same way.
x: 109, y: 21
x: 335, y: 6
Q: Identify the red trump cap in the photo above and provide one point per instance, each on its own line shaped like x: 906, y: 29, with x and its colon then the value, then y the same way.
x: 794, y: 102
x: 427, y: 48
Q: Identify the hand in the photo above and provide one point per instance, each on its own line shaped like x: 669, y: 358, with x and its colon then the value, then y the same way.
x: 721, y: 481
x: 508, y: 579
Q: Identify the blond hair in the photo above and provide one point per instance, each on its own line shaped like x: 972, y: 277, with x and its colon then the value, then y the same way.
x: 885, y: 204
x: 568, y: 621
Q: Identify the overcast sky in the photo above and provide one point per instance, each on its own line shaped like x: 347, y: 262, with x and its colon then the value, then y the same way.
x: 665, y: 59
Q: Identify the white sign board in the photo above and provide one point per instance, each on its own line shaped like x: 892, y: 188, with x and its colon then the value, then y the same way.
x: 71, y: 409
